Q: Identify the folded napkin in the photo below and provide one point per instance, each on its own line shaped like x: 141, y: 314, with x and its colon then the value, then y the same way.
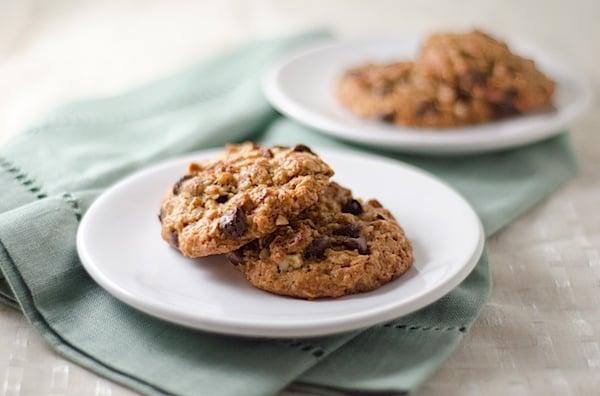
x: 51, y: 173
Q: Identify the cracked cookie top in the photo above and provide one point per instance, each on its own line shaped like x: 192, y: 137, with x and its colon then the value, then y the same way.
x: 337, y: 247
x: 222, y: 204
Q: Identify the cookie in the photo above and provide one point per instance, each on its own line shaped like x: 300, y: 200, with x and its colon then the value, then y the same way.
x: 458, y: 79
x: 220, y: 205
x: 337, y: 247
x: 485, y: 69
x: 399, y: 93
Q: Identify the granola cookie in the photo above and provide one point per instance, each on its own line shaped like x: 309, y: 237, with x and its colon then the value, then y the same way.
x: 337, y: 247
x: 485, y: 69
x: 220, y: 205
x: 401, y: 94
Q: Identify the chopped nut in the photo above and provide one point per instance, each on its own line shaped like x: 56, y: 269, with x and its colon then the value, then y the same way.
x: 283, y: 266
x: 461, y: 110
x: 264, y: 253
x: 194, y: 167
x: 446, y: 94
x: 225, y: 178
x: 374, y: 203
x: 294, y: 261
x: 281, y: 220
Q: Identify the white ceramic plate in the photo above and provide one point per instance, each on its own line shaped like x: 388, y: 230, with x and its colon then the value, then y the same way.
x: 120, y: 246
x: 302, y: 85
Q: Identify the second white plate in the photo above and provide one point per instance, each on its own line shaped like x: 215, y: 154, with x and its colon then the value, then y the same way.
x: 120, y: 246
x: 302, y: 86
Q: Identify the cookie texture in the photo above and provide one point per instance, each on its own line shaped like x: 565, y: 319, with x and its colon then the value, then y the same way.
x: 487, y: 70
x: 457, y: 79
x: 400, y: 93
x: 337, y: 247
x: 222, y: 204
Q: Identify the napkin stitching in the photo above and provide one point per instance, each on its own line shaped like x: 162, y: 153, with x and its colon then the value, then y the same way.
x: 73, y: 204
x: 462, y: 328
x: 317, y: 350
x: 25, y: 180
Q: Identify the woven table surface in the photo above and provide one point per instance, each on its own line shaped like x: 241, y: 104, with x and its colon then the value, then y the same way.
x: 539, y: 333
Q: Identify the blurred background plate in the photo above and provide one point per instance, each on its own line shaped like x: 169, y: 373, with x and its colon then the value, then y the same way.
x: 302, y: 86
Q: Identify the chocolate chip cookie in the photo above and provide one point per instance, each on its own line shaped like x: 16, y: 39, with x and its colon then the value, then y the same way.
x: 485, y: 69
x: 337, y: 247
x: 220, y: 205
x: 399, y: 93
x: 458, y: 79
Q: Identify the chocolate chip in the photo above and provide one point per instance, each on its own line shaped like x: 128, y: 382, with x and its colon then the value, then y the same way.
x: 388, y: 117
x: 160, y: 215
x: 316, y: 249
x: 233, y: 223
x: 254, y: 245
x: 302, y: 149
x: 349, y: 230
x: 174, y: 239
x: 235, y: 257
x: 472, y: 78
x: 426, y: 108
x: 506, y: 107
x: 177, y: 185
x: 222, y: 199
x: 380, y: 216
x: 266, y: 152
x: 359, y: 244
x: 502, y: 110
x: 463, y: 96
x: 264, y: 242
x: 353, y: 207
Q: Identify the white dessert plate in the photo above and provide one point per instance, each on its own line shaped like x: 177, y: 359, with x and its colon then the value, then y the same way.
x: 302, y: 86
x: 120, y: 246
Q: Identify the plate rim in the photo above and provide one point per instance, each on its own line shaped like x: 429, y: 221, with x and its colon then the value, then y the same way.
x: 436, y: 142
x: 320, y: 327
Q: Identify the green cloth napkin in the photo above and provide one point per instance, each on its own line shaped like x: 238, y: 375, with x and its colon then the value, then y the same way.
x: 50, y: 174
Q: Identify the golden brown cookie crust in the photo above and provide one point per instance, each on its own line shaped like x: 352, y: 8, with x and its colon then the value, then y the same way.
x: 337, y: 247
x: 458, y: 79
x: 220, y: 205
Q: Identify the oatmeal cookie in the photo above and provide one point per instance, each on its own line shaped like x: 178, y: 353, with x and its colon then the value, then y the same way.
x: 400, y: 93
x: 337, y: 247
x: 458, y: 79
x: 220, y: 205
x: 485, y: 69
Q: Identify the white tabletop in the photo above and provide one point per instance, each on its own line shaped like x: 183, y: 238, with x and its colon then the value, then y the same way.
x: 540, y: 331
